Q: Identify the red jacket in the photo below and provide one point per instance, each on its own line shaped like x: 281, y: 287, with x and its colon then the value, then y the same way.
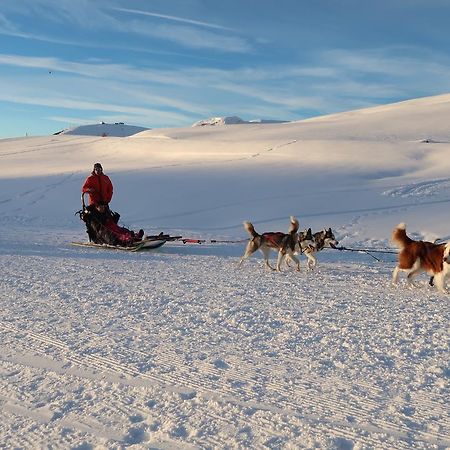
x: 99, y: 188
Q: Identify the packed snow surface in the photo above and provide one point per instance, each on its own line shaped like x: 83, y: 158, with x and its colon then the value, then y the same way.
x: 182, y: 348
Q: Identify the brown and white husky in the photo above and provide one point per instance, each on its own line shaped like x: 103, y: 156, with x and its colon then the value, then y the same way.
x: 285, y: 243
x: 420, y: 256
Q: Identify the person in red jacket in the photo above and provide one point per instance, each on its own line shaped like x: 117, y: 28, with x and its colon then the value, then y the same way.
x: 98, y: 186
x: 103, y: 227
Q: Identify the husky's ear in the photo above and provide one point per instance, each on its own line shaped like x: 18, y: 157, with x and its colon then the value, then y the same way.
x: 329, y: 230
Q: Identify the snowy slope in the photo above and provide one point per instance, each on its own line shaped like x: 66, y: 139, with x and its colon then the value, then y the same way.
x: 351, y: 171
x: 180, y: 348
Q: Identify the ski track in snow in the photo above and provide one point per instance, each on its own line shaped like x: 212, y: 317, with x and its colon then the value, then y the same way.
x: 428, y: 188
x: 171, y: 350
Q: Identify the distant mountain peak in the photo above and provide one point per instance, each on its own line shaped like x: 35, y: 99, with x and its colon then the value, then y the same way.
x: 232, y: 120
x: 229, y: 120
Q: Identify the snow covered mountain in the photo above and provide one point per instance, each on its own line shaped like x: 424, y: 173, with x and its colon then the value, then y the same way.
x: 118, y: 129
x: 231, y: 120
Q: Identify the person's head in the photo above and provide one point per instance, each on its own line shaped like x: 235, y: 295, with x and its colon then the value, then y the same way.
x: 98, y: 169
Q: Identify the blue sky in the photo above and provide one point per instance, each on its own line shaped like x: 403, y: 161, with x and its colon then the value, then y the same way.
x: 170, y: 63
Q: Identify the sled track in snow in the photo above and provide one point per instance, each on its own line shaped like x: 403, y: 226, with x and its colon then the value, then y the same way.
x: 301, y: 400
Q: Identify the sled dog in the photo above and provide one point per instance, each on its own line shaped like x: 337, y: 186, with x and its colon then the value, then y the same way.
x: 285, y: 243
x: 321, y: 239
x: 305, y: 240
x: 420, y: 256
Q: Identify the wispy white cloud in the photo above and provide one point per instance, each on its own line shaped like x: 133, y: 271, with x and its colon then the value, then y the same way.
x: 7, y: 25
x: 96, y: 69
x: 337, y: 81
x: 136, y: 101
x: 65, y: 102
x: 393, y: 61
x: 82, y: 13
x: 174, y: 18
x: 175, y: 102
x: 192, y: 37
x: 7, y: 31
x: 74, y: 120
x: 276, y: 96
x: 94, y: 17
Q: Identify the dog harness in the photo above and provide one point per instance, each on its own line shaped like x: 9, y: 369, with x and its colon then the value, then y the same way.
x: 274, y: 238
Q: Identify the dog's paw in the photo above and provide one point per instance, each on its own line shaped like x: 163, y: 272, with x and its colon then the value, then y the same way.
x: 444, y: 291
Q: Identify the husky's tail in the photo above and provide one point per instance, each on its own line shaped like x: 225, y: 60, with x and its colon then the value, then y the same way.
x: 399, y: 237
x: 251, y: 229
x: 294, y: 225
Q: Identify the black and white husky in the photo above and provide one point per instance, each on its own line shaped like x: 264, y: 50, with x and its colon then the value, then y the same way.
x: 285, y: 243
x: 322, y: 239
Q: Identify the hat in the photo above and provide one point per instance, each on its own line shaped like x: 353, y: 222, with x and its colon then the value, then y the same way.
x: 98, y: 165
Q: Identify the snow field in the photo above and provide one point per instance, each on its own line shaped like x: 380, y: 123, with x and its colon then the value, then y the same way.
x: 176, y: 350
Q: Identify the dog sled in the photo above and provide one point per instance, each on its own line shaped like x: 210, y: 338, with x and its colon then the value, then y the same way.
x: 104, y: 231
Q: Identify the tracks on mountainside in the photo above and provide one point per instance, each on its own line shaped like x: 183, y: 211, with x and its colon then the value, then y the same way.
x: 48, y: 144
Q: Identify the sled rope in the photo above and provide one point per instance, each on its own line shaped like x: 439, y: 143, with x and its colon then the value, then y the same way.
x: 211, y: 241
x: 239, y: 241
x: 367, y: 251
x: 374, y: 250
